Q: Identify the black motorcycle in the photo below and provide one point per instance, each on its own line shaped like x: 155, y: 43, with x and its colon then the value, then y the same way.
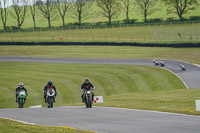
x: 161, y: 63
x: 88, y: 98
x: 50, y: 97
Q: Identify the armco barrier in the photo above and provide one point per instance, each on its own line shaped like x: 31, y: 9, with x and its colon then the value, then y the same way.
x: 179, y: 45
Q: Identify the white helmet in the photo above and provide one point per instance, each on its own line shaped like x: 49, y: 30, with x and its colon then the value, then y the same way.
x: 21, y: 84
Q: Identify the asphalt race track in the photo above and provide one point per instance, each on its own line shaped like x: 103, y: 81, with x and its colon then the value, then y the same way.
x: 107, y: 120
x: 112, y: 120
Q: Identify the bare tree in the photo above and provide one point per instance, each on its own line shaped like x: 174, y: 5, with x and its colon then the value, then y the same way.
x: 180, y: 7
x: 126, y: 7
x: 33, y: 11
x: 20, y: 10
x: 81, y: 9
x: 62, y: 9
x: 147, y: 7
x: 110, y: 8
x: 48, y: 10
x: 4, y: 12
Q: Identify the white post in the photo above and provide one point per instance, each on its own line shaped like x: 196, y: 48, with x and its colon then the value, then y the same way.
x: 197, y: 105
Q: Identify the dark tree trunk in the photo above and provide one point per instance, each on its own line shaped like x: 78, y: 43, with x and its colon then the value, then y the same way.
x: 49, y: 22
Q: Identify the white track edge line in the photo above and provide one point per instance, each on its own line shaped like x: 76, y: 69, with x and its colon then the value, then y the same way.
x: 19, y: 121
x: 176, y: 76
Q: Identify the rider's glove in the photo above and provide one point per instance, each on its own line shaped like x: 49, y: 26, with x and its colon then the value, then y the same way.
x: 81, y: 90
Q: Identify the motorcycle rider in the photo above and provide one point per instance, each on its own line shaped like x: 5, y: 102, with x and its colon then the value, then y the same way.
x: 156, y: 62
x: 49, y: 85
x: 86, y: 86
x: 19, y: 88
x: 182, y: 67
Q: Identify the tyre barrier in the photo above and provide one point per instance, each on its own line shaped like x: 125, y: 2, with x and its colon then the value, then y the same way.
x: 178, y: 45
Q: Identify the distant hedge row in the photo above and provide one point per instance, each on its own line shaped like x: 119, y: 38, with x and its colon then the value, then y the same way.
x: 179, y: 45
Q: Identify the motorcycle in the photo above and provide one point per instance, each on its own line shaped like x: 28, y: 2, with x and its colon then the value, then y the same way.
x: 88, y: 98
x: 21, y: 98
x: 161, y: 63
x: 50, y: 97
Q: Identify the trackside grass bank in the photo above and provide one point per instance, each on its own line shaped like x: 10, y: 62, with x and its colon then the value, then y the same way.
x: 125, y: 86
x: 9, y: 126
x: 191, y: 55
x: 146, y: 34
x: 175, y: 101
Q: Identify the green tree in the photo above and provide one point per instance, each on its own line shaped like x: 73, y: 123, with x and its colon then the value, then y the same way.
x: 109, y: 8
x: 147, y: 7
x: 81, y: 9
x: 180, y: 7
x: 20, y: 10
x: 33, y: 11
x: 48, y: 10
x: 62, y: 9
x: 126, y: 7
x: 4, y: 12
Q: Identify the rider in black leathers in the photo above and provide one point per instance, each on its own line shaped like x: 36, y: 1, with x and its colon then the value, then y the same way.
x: 19, y: 88
x: 86, y: 86
x: 49, y: 85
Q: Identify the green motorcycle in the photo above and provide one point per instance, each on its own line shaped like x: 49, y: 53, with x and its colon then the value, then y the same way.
x: 21, y: 98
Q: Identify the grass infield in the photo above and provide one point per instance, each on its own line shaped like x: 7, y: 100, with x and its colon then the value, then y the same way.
x: 125, y: 86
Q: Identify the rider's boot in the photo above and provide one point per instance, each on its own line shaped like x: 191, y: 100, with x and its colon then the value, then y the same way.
x: 54, y: 99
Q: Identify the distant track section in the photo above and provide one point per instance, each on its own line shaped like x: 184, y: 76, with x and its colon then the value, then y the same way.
x: 190, y: 77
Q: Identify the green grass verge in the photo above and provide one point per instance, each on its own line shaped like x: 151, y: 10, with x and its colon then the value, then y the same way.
x: 184, y: 54
x: 175, y: 101
x: 9, y: 126
x: 121, y: 85
x: 144, y: 34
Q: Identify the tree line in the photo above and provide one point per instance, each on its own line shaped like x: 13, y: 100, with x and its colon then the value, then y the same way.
x: 83, y: 9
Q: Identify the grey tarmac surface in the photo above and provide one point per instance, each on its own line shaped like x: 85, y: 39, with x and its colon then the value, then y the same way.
x: 112, y: 120
x: 191, y: 77
x: 107, y: 120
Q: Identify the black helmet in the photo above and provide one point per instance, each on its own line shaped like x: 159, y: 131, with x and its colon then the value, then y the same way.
x: 50, y: 82
x: 87, y: 80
